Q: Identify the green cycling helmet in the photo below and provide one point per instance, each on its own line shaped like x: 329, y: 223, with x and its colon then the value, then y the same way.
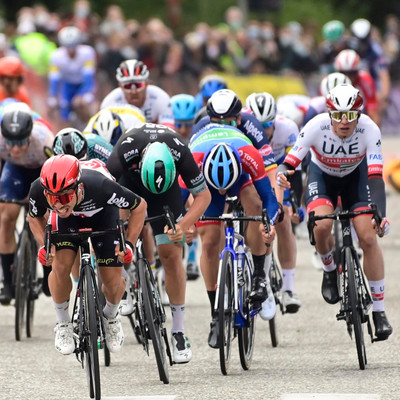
x: 158, y: 168
x: 333, y: 30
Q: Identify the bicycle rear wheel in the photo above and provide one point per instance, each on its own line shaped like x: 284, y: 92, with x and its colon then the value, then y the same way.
x: 225, y: 312
x: 90, y: 316
x: 355, y: 309
x: 34, y: 288
x: 275, y: 278
x: 153, y: 320
x: 102, y: 301
x: 246, y: 334
x: 22, y: 272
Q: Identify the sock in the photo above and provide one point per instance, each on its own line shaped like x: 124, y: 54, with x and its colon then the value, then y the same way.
x: 192, y: 251
x: 267, y: 266
x: 62, y: 313
x: 378, y: 295
x: 110, y: 310
x: 288, y: 279
x: 259, y: 265
x: 327, y: 260
x: 178, y: 313
x: 7, y: 262
x: 211, y: 296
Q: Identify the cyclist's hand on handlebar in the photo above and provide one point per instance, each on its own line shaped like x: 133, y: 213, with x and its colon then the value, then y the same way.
x: 384, y: 227
x: 267, y: 237
x: 42, y: 256
x: 174, y: 237
x: 127, y: 257
x: 299, y: 217
x: 282, y: 179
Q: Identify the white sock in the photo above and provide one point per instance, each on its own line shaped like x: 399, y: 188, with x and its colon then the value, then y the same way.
x: 327, y: 260
x: 267, y: 266
x: 378, y: 295
x: 288, y: 279
x: 178, y: 313
x: 62, y: 313
x: 110, y: 310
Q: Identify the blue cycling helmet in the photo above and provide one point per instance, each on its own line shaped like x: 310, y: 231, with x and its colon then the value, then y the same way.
x: 183, y: 107
x: 210, y: 84
x: 222, y: 166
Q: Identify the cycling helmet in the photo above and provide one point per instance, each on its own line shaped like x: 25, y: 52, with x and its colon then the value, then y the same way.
x: 263, y: 106
x: 222, y: 166
x: 224, y: 104
x: 60, y: 173
x: 347, y: 60
x: 157, y: 170
x: 11, y: 66
x: 17, y: 122
x: 132, y: 71
x: 361, y: 28
x: 333, y: 30
x: 109, y: 126
x: 210, y: 84
x: 344, y: 97
x: 183, y: 107
x: 70, y: 36
x: 332, y: 80
x: 71, y: 141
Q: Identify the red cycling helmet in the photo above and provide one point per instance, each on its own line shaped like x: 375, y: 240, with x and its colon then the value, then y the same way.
x: 344, y: 97
x: 11, y: 66
x: 60, y: 173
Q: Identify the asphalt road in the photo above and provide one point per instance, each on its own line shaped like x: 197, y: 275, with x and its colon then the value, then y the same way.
x: 315, y: 359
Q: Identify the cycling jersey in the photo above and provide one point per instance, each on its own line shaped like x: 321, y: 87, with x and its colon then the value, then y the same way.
x: 156, y: 108
x: 366, y: 85
x: 251, y: 128
x: 98, y: 147
x: 252, y: 162
x: 130, y: 115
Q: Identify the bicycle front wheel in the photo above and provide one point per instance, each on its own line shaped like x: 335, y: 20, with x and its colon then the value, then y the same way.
x: 102, y: 302
x: 33, y: 288
x: 90, y: 316
x: 246, y: 334
x: 153, y: 320
x: 225, y: 312
x: 275, y: 278
x: 355, y: 309
x: 22, y: 272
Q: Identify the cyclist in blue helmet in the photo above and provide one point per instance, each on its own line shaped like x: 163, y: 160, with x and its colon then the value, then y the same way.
x: 184, y: 109
x: 208, y: 86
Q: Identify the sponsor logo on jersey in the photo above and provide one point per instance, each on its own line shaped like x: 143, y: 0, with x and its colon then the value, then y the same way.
x: 130, y: 154
x: 340, y: 150
x: 254, y: 131
x: 118, y: 201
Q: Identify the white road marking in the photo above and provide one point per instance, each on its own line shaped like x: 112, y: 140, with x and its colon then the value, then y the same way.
x: 171, y: 397
x: 331, y: 396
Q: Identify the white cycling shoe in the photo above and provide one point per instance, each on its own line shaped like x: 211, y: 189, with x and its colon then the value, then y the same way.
x: 268, y: 308
x: 181, y: 349
x: 114, y: 334
x: 64, y: 340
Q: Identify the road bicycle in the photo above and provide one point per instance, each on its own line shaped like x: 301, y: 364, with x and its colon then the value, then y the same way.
x: 236, y: 313
x: 355, y: 299
x: 26, y: 284
x: 87, y: 318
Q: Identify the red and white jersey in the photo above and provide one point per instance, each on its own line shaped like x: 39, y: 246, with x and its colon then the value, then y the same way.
x: 335, y: 156
x: 156, y: 108
x: 40, y: 141
x: 318, y: 103
x: 98, y: 165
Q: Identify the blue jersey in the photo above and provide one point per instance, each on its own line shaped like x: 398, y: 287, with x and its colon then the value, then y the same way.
x: 98, y: 147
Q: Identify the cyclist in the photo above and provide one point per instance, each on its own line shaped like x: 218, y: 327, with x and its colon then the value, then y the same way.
x: 23, y: 144
x: 134, y: 88
x: 112, y: 122
x: 208, y: 86
x: 80, y: 198
x: 72, y: 76
x: 11, y: 80
x: 148, y: 160
x: 282, y: 134
x: 346, y: 153
x: 349, y: 63
x: 184, y: 109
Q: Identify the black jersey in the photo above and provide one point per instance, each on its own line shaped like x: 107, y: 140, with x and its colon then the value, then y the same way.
x: 99, y: 193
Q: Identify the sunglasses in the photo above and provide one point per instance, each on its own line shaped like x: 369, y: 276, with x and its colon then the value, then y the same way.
x: 63, y: 198
x: 338, y: 115
x: 267, y: 124
x: 183, y: 124
x: 135, y: 85
x: 225, y: 122
x: 18, y: 143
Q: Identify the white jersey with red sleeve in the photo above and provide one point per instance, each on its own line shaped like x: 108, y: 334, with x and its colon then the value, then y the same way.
x: 335, y: 156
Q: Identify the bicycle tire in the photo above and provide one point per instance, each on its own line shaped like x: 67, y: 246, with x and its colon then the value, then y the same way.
x: 33, y: 289
x: 354, y: 300
x: 102, y: 300
x: 225, y: 312
x: 246, y: 334
x: 91, y: 318
x: 275, y: 277
x: 152, y: 320
x: 21, y: 263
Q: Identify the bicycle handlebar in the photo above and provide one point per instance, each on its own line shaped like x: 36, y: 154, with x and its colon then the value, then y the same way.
x: 168, y: 216
x: 342, y: 215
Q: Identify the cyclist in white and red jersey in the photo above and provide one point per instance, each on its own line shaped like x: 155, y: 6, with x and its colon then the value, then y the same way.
x: 346, y: 153
x: 134, y: 88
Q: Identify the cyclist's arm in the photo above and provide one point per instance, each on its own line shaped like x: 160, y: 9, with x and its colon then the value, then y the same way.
x: 38, y: 225
x: 136, y: 221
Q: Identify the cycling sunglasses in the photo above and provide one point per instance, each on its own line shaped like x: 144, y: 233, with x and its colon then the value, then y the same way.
x: 267, y: 124
x: 338, y: 115
x: 18, y: 143
x: 63, y: 198
x: 187, y: 124
x: 135, y: 85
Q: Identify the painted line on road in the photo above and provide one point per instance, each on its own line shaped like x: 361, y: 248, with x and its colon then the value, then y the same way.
x: 330, y: 396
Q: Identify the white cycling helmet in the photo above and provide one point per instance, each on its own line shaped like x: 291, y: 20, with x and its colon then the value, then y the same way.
x: 347, y: 60
x: 224, y: 103
x: 361, y: 28
x: 263, y: 106
x: 70, y: 36
x: 132, y: 71
x: 291, y: 111
x: 344, y: 97
x: 109, y: 126
x: 332, y: 80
